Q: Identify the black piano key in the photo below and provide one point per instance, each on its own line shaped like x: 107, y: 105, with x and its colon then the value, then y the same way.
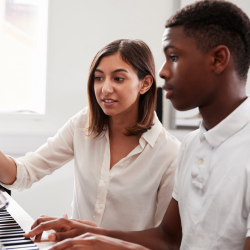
x: 4, y: 214
x: 13, y: 231
x: 8, y: 239
x: 11, y: 227
x: 7, y: 221
x: 9, y: 236
x: 4, y: 217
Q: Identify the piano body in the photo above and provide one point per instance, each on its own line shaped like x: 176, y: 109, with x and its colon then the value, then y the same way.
x: 14, y: 221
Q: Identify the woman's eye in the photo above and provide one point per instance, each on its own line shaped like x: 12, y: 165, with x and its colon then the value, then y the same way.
x: 174, y: 58
x: 119, y: 79
x: 98, y: 78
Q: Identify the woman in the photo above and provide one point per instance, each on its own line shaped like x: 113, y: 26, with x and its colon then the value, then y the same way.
x: 124, y: 159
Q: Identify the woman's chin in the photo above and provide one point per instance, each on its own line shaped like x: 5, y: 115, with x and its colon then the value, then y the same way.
x: 109, y: 112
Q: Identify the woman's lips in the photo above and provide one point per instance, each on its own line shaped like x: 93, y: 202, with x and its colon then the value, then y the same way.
x: 108, y: 102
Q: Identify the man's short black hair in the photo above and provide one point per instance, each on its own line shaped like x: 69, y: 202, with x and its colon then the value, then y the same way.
x: 216, y: 22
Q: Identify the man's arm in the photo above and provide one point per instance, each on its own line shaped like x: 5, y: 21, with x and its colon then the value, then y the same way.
x: 8, y: 169
x: 167, y: 236
x: 247, y: 244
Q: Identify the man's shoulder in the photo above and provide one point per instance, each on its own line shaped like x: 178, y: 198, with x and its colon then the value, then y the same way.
x: 190, y: 138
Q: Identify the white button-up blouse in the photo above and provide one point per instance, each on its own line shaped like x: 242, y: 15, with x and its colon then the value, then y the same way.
x: 133, y: 195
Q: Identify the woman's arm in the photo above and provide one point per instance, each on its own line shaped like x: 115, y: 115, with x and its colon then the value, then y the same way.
x: 57, y: 151
x: 8, y: 169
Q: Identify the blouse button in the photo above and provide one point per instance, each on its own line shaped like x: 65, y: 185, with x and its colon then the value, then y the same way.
x: 100, y: 206
x: 201, y: 162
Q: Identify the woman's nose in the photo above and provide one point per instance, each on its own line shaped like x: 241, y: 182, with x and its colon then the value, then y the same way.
x: 107, y: 87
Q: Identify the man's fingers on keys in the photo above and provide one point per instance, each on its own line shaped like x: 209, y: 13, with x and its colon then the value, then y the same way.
x: 61, y: 224
x: 56, y: 237
x: 41, y: 219
x: 38, y: 238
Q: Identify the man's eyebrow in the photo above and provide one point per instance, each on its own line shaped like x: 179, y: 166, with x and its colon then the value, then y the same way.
x: 168, y: 47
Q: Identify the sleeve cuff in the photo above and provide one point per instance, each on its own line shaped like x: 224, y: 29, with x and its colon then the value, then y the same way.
x: 175, y: 196
x: 248, y: 233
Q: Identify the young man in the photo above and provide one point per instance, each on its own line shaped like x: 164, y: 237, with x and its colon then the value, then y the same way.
x: 207, y: 49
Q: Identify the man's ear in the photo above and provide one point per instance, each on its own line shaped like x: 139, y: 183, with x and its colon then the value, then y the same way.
x: 146, y: 84
x: 220, y: 56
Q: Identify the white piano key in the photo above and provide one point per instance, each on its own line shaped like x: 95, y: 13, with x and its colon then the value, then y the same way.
x: 20, y: 246
x: 9, y: 224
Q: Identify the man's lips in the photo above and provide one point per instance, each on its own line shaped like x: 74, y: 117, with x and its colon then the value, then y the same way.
x: 169, y: 90
x: 167, y: 87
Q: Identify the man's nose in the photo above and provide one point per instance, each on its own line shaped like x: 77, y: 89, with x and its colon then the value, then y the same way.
x: 165, y: 72
x: 107, y: 87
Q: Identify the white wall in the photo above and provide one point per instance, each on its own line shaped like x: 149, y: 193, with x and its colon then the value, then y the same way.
x: 77, y: 30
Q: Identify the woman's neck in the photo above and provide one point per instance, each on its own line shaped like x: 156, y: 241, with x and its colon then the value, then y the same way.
x: 119, y: 124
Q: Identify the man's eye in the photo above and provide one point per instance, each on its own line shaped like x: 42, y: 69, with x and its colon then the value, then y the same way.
x: 98, y: 78
x: 119, y: 79
x: 174, y: 58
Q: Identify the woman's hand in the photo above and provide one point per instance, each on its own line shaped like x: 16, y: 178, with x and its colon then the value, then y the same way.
x: 64, y: 228
x: 95, y: 242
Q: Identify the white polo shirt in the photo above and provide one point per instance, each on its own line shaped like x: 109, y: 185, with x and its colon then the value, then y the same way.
x: 212, y: 184
x: 133, y: 195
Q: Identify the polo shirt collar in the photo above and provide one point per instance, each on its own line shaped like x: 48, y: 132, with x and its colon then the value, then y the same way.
x: 152, y: 134
x: 229, y: 126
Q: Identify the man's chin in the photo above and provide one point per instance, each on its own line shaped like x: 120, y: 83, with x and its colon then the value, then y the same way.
x: 180, y: 106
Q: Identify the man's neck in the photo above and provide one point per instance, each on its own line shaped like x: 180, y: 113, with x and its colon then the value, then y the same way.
x: 220, y: 109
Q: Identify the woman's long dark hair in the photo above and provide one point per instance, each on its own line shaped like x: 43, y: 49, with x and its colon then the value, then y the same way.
x: 137, y: 54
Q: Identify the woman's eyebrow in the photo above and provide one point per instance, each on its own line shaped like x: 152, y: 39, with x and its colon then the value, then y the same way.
x: 115, y: 71
x: 119, y: 70
x: 98, y: 70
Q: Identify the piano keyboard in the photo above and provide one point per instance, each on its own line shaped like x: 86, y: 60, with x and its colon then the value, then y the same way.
x: 14, y: 221
x: 11, y: 234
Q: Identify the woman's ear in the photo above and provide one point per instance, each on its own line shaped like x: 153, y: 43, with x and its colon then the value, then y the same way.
x: 221, y: 56
x: 146, y: 84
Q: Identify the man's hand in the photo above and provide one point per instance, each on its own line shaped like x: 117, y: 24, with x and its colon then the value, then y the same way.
x: 41, y: 219
x: 90, y: 241
x: 86, y: 222
x: 64, y: 229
